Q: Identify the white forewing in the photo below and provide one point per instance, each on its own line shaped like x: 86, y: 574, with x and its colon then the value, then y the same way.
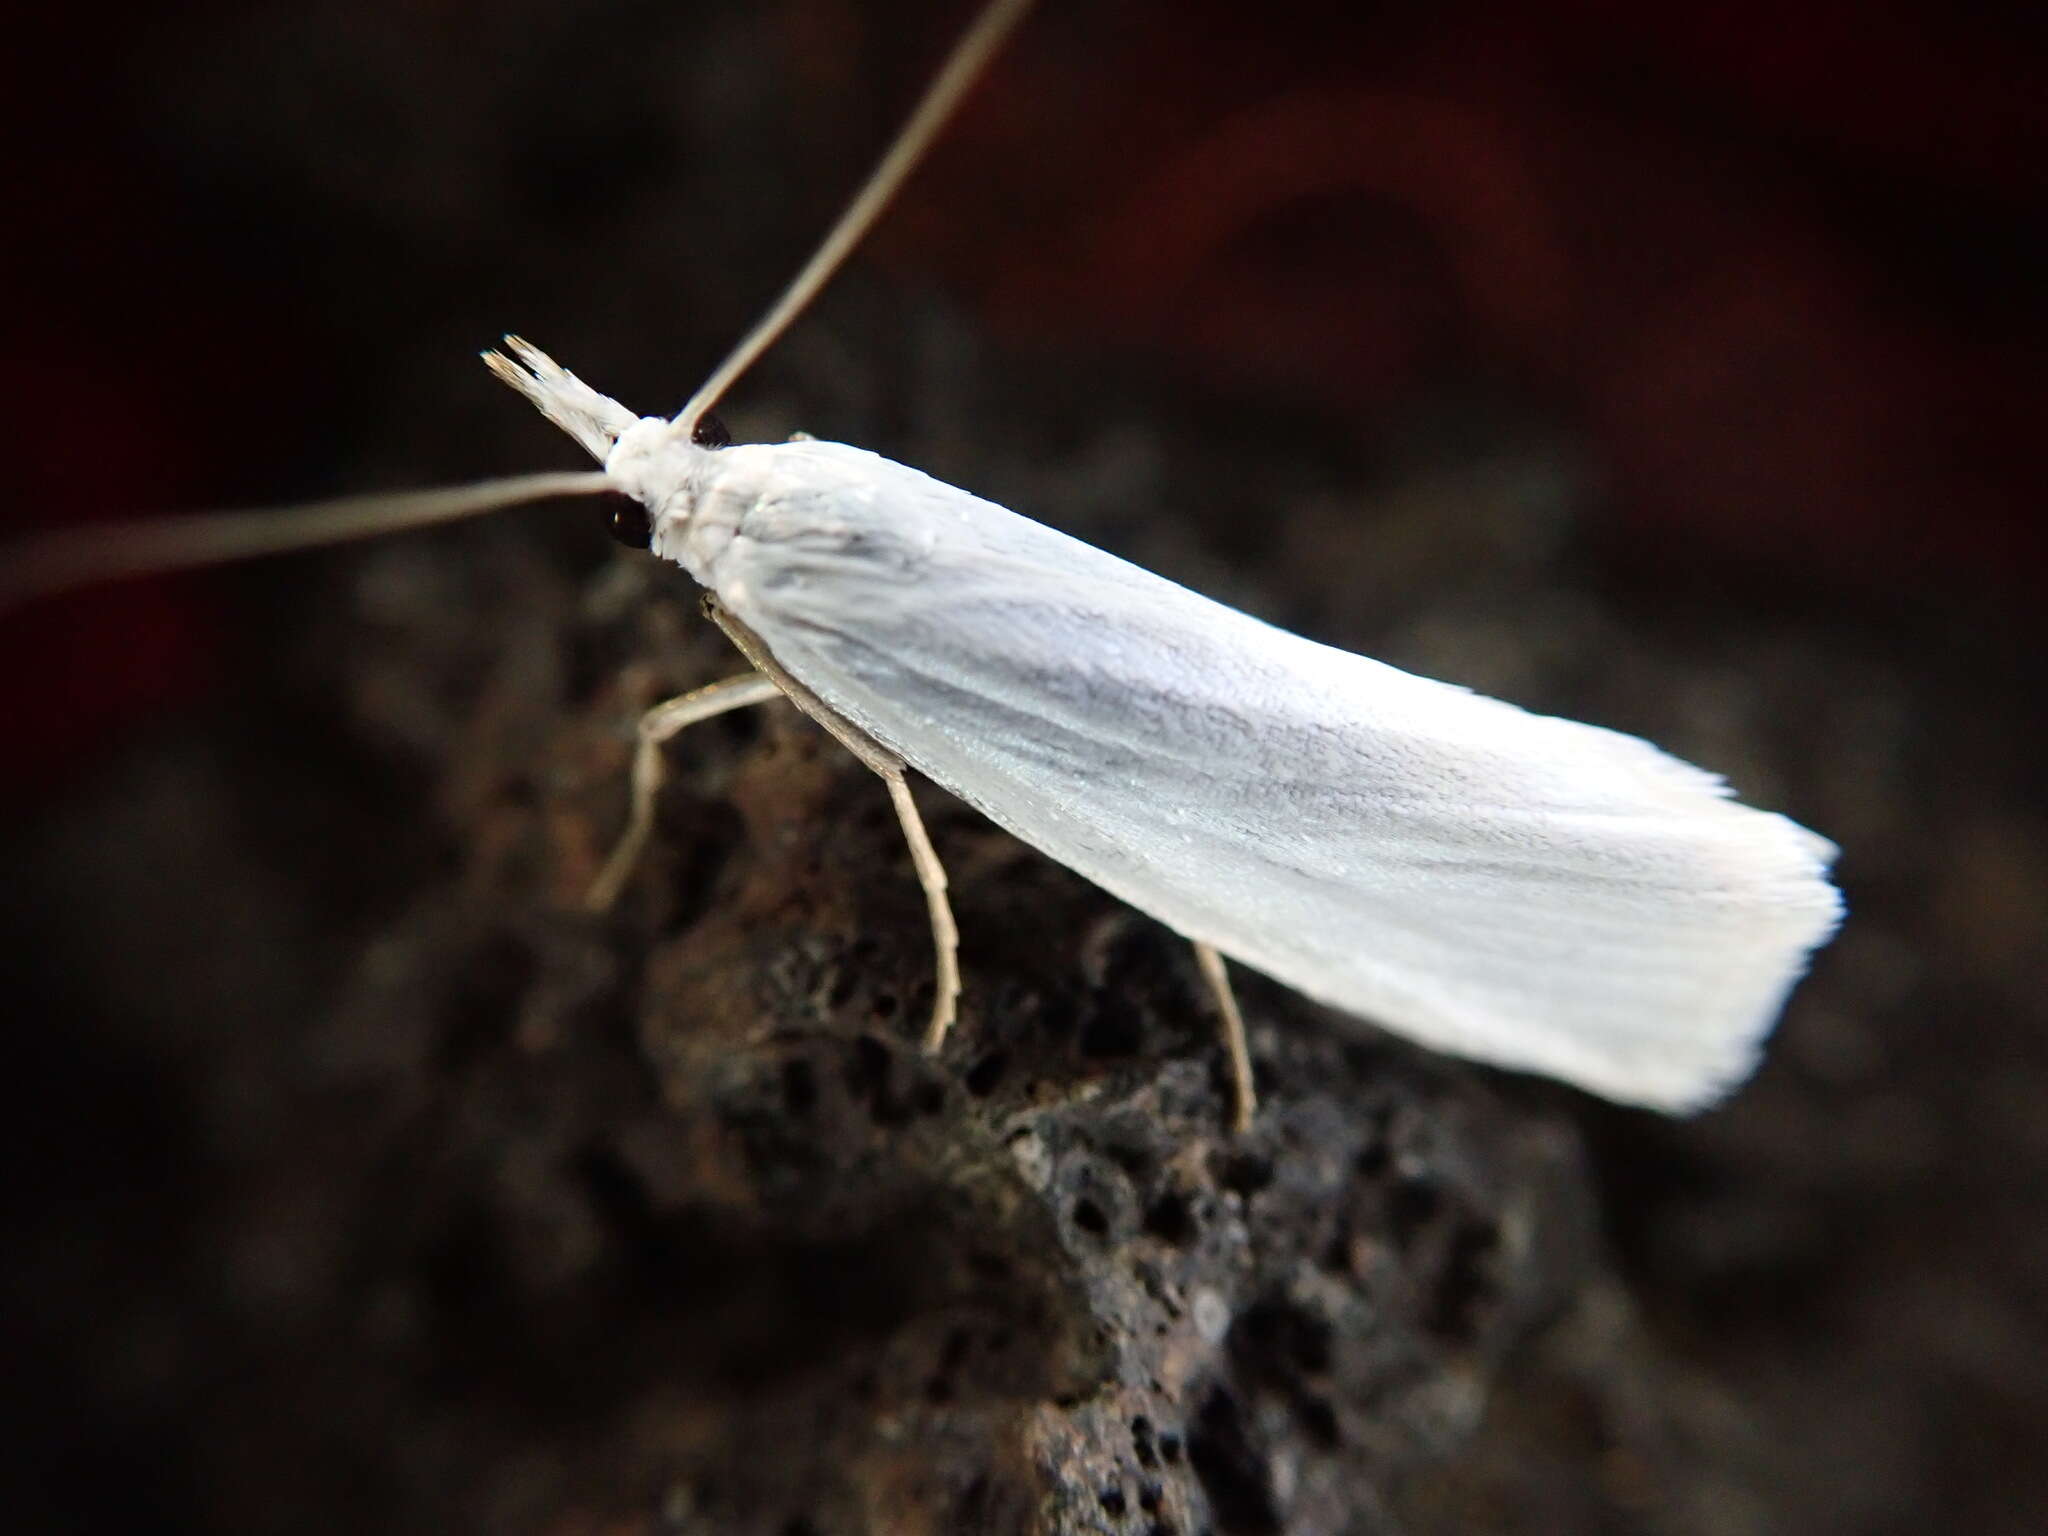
x: 1508, y: 886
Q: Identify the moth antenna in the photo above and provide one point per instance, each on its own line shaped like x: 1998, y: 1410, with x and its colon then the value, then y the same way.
x: 970, y: 56
x: 55, y: 562
x: 75, y: 557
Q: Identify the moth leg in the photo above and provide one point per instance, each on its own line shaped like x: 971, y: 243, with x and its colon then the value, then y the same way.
x: 656, y: 727
x: 1244, y: 1101
x: 931, y: 874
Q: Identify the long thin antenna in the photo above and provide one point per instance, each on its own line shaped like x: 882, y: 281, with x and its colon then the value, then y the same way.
x: 107, y: 551
x: 969, y: 58
x: 104, y: 551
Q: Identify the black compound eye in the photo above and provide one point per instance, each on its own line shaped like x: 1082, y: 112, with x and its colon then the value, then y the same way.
x: 627, y: 521
x: 710, y: 432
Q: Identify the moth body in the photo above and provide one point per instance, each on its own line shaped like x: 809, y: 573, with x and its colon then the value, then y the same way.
x: 1524, y: 890
x: 1519, y: 889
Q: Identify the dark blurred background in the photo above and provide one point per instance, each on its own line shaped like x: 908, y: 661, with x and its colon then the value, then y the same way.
x: 1677, y: 368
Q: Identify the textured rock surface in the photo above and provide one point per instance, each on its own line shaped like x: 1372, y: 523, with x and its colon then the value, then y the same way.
x: 382, y: 1187
x: 661, y: 1212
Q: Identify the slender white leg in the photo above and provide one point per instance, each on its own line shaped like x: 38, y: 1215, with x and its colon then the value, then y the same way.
x: 931, y: 874
x: 656, y: 727
x: 1244, y: 1101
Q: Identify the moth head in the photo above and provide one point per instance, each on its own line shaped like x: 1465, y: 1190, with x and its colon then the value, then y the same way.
x: 655, y: 465
x: 650, y: 457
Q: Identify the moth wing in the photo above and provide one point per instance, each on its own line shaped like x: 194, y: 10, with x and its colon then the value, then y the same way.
x: 1512, y: 887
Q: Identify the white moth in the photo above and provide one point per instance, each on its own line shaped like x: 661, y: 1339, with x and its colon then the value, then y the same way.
x: 1518, y: 889
x: 1508, y: 886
